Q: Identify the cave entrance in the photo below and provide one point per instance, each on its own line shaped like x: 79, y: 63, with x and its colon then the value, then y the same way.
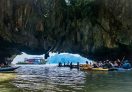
x: 25, y: 58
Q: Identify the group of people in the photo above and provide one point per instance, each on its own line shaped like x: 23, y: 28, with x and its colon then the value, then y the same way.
x: 112, y: 64
x: 3, y: 65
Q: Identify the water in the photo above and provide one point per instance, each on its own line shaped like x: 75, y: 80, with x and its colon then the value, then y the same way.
x: 54, y: 79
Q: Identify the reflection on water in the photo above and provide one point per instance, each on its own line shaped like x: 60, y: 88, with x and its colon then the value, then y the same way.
x: 5, y: 82
x: 50, y: 78
x: 54, y: 79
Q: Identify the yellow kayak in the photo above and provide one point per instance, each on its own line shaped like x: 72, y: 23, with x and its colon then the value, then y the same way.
x: 85, y: 67
x: 99, y: 69
x: 89, y: 67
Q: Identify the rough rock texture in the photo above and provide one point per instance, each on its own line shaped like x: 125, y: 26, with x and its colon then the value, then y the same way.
x: 89, y: 27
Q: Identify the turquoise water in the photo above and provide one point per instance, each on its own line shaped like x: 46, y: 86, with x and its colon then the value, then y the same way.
x: 55, y: 79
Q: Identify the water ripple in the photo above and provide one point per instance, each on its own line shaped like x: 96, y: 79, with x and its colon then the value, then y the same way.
x: 50, y: 78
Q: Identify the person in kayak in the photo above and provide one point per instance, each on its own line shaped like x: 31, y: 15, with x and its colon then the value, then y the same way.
x: 95, y: 65
x: 126, y: 65
x: 108, y: 64
x: 115, y: 64
x: 118, y: 62
x: 2, y: 65
x: 100, y: 64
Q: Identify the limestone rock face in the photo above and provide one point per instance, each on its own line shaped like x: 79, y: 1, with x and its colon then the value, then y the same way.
x: 88, y: 27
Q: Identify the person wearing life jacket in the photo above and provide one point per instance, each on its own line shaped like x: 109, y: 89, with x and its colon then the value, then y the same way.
x: 118, y: 63
x: 115, y: 64
x: 108, y: 64
x: 95, y: 65
x: 126, y: 65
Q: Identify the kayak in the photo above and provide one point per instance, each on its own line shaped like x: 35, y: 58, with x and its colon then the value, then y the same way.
x: 100, y: 69
x: 93, y: 69
x: 5, y: 69
x: 119, y: 69
x: 89, y: 67
x: 85, y: 67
